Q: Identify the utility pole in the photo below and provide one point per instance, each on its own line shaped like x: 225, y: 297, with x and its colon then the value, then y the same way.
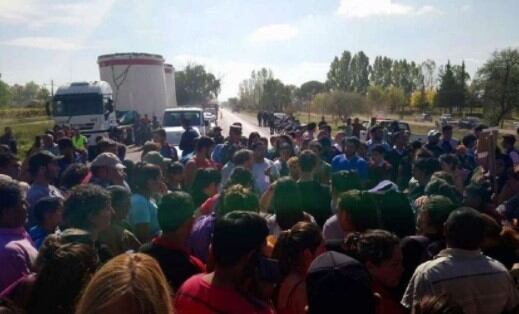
x: 51, y: 88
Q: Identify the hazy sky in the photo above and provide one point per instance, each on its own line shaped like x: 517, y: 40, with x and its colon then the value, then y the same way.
x: 297, y: 39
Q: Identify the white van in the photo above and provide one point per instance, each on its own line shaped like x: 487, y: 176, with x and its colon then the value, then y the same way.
x: 172, y: 122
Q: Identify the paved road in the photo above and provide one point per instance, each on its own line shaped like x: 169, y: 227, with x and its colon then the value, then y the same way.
x: 249, y: 124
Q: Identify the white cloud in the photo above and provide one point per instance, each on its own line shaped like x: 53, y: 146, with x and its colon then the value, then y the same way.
x: 48, y: 43
x: 368, y: 8
x: 36, y: 14
x: 233, y: 72
x: 274, y: 32
x: 466, y: 7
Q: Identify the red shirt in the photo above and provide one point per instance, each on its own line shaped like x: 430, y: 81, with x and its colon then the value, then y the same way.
x: 200, y: 297
x: 203, y: 163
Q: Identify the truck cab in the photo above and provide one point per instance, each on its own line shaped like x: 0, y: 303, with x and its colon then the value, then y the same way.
x: 87, y: 106
x: 172, y: 122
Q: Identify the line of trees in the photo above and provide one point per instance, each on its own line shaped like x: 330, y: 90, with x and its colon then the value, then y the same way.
x: 28, y: 95
x: 354, y: 84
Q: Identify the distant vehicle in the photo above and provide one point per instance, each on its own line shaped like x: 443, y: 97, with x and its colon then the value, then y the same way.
x: 469, y: 122
x: 87, y: 106
x: 446, y: 119
x: 426, y: 117
x: 173, y: 118
x: 209, y: 117
x: 389, y: 129
x: 280, y: 115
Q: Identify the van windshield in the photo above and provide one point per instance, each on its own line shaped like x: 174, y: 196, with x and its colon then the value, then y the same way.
x: 77, y: 105
x: 174, y: 118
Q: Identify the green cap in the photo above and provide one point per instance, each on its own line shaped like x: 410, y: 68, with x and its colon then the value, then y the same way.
x: 174, y: 210
x: 155, y: 158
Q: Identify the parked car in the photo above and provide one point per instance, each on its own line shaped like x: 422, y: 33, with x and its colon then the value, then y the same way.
x: 389, y: 126
x: 469, y: 122
x: 426, y: 117
x: 446, y: 119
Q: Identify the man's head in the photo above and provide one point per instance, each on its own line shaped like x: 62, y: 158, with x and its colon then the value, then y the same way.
x: 447, y: 132
x: 8, y: 130
x: 316, y: 147
x: 159, y: 136
x: 307, y: 161
x: 66, y: 148
x: 43, y: 167
x: 238, y: 239
x: 88, y: 207
x: 238, y: 198
x: 423, y: 169
x: 235, y: 131
x: 400, y: 138
x: 175, y: 213
x: 465, y: 229
x: 351, y: 145
x: 508, y: 141
x: 336, y: 281
x: 469, y: 141
x: 48, y: 140
x: 357, y: 211
x: 120, y: 200
x: 106, y: 145
x: 107, y: 166
x: 13, y: 208
x: 433, y: 137
x: 243, y: 158
x: 260, y: 150
x: 175, y: 172
x: 155, y: 158
x: 204, y: 146
x: 377, y: 133
x: 377, y: 154
x: 48, y: 211
x: 380, y: 252
x: 433, y: 215
x: 476, y: 196
x: 10, y: 165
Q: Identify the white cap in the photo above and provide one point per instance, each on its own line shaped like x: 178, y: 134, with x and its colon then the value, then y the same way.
x: 109, y: 160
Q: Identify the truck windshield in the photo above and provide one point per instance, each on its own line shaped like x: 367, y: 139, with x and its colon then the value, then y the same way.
x: 78, y: 105
x: 174, y: 118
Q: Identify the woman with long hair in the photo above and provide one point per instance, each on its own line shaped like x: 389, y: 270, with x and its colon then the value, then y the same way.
x: 129, y: 283
x: 61, y: 279
x: 147, y: 183
x: 295, y: 250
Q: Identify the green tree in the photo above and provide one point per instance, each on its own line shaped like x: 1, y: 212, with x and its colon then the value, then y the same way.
x: 275, y: 96
x: 497, y: 84
x: 6, y: 97
x: 376, y: 97
x: 339, y: 75
x: 195, y: 86
x: 396, y: 99
x: 381, y: 71
x: 449, y: 92
x: 461, y: 77
x: 309, y: 89
x: 428, y: 71
x: 251, y: 89
x: 339, y: 103
x: 360, y: 69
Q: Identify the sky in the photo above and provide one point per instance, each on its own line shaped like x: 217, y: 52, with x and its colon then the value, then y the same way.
x: 60, y: 40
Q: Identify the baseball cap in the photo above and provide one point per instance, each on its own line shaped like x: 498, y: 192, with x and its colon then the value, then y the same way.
x: 40, y: 159
x: 335, y: 280
x: 109, y: 160
x: 155, y: 158
x: 434, y: 133
x: 174, y: 210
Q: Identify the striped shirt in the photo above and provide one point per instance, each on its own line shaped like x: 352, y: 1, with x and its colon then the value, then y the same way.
x: 479, y: 284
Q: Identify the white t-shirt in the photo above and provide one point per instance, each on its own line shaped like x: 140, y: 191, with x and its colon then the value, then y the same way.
x: 261, y: 180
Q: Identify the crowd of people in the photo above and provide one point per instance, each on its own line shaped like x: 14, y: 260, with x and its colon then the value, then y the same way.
x: 306, y: 221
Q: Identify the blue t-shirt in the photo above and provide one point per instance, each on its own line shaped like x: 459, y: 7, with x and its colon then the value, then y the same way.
x: 144, y: 211
x: 340, y: 162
